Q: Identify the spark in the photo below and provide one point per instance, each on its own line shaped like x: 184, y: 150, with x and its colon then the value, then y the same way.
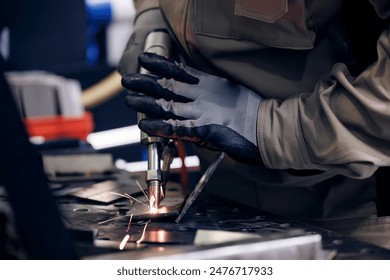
x: 128, y: 226
x: 122, y: 195
x: 132, y: 197
x: 127, y: 236
x: 143, y: 233
x: 126, y: 195
x: 124, y: 241
x: 109, y: 220
x: 139, y: 185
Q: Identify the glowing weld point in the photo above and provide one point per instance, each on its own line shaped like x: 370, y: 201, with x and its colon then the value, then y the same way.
x: 124, y: 241
x: 153, y: 210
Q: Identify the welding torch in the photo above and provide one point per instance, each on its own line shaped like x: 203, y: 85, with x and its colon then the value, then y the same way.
x: 158, y: 148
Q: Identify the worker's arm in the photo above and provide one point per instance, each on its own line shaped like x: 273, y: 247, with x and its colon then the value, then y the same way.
x: 148, y: 18
x: 343, y: 126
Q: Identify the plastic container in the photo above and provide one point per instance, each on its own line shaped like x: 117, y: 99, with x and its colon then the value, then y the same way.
x: 60, y: 127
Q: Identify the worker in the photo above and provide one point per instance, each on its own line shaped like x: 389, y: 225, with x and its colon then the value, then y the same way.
x: 267, y: 82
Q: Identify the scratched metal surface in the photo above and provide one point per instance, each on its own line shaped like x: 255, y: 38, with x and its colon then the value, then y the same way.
x: 206, y: 213
x: 96, y: 234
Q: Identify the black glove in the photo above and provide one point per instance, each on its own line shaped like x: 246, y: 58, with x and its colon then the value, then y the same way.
x: 145, y: 23
x: 189, y: 105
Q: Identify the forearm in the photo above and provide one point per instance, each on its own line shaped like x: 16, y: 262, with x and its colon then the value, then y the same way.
x: 144, y: 5
x: 148, y: 18
x: 342, y: 126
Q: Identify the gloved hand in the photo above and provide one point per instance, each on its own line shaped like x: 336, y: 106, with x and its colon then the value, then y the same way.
x: 148, y: 21
x: 189, y: 105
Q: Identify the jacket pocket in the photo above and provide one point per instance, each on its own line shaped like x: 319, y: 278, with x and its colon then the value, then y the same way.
x: 269, y: 23
x: 265, y: 10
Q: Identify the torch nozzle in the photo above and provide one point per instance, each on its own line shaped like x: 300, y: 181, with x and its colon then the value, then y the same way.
x: 156, y: 195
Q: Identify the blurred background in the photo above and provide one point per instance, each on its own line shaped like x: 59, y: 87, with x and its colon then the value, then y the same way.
x: 60, y: 62
x: 78, y: 42
x: 61, y: 59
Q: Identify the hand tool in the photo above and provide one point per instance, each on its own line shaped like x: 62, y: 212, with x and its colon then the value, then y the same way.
x: 157, y: 42
x: 201, y: 184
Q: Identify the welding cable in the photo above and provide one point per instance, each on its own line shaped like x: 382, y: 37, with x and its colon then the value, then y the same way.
x: 102, y: 91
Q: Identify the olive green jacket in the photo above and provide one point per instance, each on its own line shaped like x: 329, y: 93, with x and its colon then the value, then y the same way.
x: 314, y: 115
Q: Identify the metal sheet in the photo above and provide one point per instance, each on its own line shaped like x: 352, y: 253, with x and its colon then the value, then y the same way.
x: 166, y: 236
x: 106, y: 192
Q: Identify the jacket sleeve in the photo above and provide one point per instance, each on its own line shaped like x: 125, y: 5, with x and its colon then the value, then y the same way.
x: 144, y: 5
x: 343, y: 126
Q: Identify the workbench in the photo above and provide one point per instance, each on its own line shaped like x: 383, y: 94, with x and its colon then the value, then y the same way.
x: 99, y: 227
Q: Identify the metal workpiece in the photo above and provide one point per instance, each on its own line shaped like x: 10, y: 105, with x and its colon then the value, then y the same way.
x: 268, y: 236
x: 287, y: 246
x: 99, y: 225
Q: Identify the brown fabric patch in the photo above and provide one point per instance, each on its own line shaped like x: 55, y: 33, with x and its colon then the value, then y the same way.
x: 265, y: 10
